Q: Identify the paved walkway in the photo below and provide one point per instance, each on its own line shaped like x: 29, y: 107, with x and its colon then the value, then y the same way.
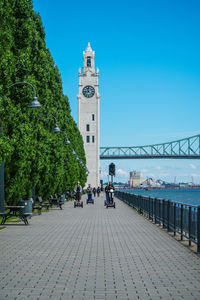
x: 95, y: 253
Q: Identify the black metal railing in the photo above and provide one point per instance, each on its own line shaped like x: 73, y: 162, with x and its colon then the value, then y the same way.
x: 174, y: 216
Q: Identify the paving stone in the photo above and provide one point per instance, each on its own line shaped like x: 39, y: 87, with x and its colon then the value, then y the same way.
x: 95, y: 253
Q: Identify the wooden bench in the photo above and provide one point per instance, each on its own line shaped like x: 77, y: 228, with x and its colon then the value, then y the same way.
x: 4, y: 217
x: 38, y: 207
x: 14, y: 211
x: 55, y: 201
x: 71, y: 195
x: 44, y: 204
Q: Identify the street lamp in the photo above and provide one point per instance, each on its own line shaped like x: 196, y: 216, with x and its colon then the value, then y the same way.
x: 78, y: 159
x: 56, y: 128
x: 67, y: 142
x: 73, y: 152
x: 34, y: 104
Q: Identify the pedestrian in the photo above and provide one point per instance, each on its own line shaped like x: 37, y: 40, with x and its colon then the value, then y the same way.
x: 98, y: 191
x: 94, y: 191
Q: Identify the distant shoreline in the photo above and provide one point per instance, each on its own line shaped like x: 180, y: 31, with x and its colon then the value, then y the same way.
x: 161, y: 188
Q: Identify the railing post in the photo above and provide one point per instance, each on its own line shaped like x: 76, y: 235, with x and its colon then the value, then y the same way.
x: 174, y: 219
x: 198, y: 229
x: 181, y: 222
x: 152, y: 210
x: 139, y: 202
x: 168, y: 203
x: 142, y: 203
x: 155, y: 210
x: 159, y: 211
x: 149, y: 207
x: 163, y: 213
x: 134, y: 197
x: 189, y: 224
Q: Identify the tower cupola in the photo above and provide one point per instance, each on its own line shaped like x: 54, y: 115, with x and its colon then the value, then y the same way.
x: 88, y: 60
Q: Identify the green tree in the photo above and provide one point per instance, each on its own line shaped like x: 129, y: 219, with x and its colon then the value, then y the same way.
x: 34, y: 155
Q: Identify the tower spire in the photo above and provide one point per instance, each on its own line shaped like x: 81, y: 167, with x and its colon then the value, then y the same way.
x: 88, y: 49
x: 89, y: 60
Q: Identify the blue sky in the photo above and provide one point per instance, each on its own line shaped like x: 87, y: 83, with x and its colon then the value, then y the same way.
x: 148, y: 53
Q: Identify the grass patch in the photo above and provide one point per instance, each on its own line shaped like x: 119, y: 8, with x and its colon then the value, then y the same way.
x: 2, y: 227
x: 12, y: 220
x: 139, y: 210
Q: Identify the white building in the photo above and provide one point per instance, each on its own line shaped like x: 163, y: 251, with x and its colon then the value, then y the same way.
x: 135, y: 178
x: 89, y: 114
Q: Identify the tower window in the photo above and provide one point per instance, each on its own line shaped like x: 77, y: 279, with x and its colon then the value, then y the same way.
x: 88, y: 138
x: 87, y: 127
x: 93, y: 138
x: 88, y: 61
x: 92, y: 117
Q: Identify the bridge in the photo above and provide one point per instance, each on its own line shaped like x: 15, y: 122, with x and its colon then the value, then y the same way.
x: 187, y: 148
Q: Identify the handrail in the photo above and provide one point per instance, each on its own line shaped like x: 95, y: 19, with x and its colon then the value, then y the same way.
x: 176, y: 217
x: 163, y: 199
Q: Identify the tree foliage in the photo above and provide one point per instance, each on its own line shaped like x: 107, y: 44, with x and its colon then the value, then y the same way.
x: 34, y: 155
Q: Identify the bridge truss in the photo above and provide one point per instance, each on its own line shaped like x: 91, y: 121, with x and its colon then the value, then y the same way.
x: 187, y: 148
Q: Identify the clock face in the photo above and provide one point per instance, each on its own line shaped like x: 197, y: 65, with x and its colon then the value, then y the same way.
x: 88, y: 91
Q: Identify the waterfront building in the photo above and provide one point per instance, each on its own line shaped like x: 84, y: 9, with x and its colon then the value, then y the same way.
x: 89, y: 114
x: 135, y: 178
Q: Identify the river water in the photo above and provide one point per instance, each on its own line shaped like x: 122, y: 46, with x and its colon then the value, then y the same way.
x: 185, y: 196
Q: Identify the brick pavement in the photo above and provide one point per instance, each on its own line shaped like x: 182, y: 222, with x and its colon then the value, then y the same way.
x: 95, y: 253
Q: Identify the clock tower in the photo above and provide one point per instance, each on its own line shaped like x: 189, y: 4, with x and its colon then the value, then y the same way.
x: 89, y: 114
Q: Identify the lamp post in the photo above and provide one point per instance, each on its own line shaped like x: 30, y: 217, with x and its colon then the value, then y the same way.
x: 82, y: 164
x: 56, y: 129
x: 34, y: 104
x: 67, y: 142
x: 2, y: 194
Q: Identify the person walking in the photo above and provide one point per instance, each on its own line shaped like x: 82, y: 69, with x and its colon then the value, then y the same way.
x: 98, y: 191
x: 94, y: 191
